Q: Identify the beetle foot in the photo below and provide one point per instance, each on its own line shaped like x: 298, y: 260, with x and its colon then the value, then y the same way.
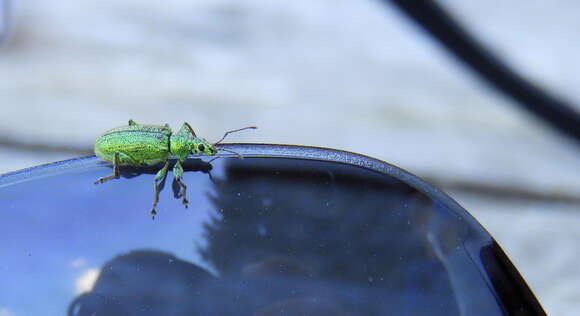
x: 153, y: 212
x: 185, y: 202
x: 105, y: 179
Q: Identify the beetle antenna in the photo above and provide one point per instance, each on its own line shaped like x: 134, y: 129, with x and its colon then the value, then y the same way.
x: 233, y: 152
x: 209, y: 162
x: 236, y: 130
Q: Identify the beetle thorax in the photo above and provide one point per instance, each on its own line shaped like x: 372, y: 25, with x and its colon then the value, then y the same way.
x: 181, y: 145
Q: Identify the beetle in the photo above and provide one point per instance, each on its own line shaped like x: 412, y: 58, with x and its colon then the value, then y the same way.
x: 147, y: 145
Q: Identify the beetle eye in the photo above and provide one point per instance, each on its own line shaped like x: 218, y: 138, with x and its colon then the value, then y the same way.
x: 201, y: 147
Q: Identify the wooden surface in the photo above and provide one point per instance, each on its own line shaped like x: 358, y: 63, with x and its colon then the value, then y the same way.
x: 351, y: 75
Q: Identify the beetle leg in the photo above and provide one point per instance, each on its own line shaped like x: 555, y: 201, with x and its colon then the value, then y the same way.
x: 159, y: 178
x: 178, y: 174
x: 116, y: 172
x: 186, y: 129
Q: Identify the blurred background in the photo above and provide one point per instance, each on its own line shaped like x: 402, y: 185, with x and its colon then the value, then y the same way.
x: 351, y: 75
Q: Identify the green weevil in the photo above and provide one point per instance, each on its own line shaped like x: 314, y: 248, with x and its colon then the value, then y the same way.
x: 147, y: 145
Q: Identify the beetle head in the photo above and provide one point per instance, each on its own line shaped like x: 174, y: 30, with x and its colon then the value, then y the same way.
x: 203, y: 147
x: 185, y: 142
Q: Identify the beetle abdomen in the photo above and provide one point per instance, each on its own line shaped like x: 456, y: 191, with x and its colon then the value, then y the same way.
x: 136, y: 144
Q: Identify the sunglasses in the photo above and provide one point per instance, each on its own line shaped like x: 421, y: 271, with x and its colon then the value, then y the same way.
x: 288, y: 230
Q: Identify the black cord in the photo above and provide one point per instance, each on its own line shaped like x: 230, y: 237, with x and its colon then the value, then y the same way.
x: 441, y: 25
